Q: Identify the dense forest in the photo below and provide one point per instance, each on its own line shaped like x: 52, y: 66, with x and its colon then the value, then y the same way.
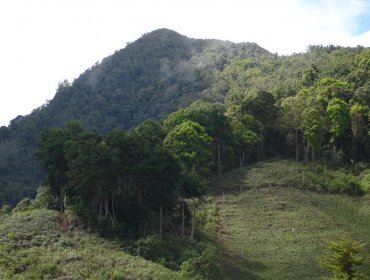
x: 131, y: 144
x: 311, y: 106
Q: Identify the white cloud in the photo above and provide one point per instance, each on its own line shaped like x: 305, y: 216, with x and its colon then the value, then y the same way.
x: 45, y: 41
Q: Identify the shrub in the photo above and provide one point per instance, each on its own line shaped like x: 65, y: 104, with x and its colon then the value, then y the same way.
x: 45, y: 199
x: 23, y: 205
x: 342, y: 257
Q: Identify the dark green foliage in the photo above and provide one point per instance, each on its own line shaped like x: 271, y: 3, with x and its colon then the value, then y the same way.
x: 123, y: 179
x: 241, y: 86
x: 149, y: 78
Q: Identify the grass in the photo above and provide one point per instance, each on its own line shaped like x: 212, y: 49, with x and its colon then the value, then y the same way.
x: 270, y: 228
x: 33, y: 245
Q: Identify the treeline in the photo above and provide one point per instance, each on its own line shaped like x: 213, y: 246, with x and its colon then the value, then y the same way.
x: 313, y: 111
x: 140, y: 177
x: 310, y: 106
x: 133, y: 180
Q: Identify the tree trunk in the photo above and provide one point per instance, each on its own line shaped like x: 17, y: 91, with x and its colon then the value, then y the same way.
x: 243, y: 159
x: 139, y: 199
x: 218, y: 157
x: 61, y: 200
x: 114, y: 213
x: 106, y: 208
x: 193, y: 220
x: 296, y: 145
x: 100, y: 209
x: 183, y: 217
x: 160, y: 222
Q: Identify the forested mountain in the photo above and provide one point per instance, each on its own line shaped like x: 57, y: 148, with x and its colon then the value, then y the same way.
x: 308, y: 106
x: 150, y: 78
x: 141, y: 146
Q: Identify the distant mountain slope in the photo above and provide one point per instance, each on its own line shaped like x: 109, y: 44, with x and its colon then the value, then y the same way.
x: 149, y: 78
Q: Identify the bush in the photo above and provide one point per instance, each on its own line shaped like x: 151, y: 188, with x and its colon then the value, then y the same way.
x: 45, y: 199
x: 206, y: 266
x: 23, y: 205
x: 365, y: 180
x: 342, y: 257
x: 340, y: 182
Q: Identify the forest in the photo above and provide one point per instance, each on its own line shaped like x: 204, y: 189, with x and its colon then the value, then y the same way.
x: 135, y: 143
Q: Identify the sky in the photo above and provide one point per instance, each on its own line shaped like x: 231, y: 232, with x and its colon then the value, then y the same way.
x: 44, y: 42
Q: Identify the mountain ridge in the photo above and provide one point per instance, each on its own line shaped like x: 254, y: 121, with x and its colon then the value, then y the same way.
x: 149, y: 78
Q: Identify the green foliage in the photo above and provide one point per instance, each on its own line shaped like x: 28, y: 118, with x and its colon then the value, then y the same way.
x: 164, y: 71
x: 312, y: 126
x: 23, y: 205
x: 338, y: 112
x: 205, y: 266
x: 45, y: 199
x: 190, y: 143
x: 342, y: 258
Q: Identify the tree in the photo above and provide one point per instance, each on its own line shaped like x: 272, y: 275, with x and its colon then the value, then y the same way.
x: 191, y: 145
x: 359, y: 122
x: 91, y: 175
x: 212, y: 117
x: 342, y: 257
x: 309, y: 75
x: 53, y: 158
x: 243, y: 138
x: 339, y: 116
x: 292, y: 114
x: 312, y: 126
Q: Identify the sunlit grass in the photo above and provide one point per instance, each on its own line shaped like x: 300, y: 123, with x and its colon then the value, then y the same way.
x: 271, y: 231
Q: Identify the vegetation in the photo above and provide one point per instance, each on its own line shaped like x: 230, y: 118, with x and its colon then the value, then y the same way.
x: 343, y: 258
x: 218, y: 107
x: 268, y: 223
x: 34, y: 245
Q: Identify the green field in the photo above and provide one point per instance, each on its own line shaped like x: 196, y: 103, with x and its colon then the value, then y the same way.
x: 268, y: 230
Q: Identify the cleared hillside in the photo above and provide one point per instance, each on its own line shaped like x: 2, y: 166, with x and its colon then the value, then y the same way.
x: 34, y: 245
x: 269, y: 230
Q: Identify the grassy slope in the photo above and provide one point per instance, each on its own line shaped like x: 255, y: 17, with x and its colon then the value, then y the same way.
x: 266, y: 224
x: 271, y: 231
x: 33, y: 245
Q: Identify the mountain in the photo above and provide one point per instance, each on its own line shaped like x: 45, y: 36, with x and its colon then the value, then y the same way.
x: 149, y: 78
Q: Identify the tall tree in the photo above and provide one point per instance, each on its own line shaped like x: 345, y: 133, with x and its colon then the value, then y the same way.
x: 359, y: 124
x: 52, y: 157
x: 292, y: 113
x: 191, y: 145
x: 312, y: 126
x: 339, y: 116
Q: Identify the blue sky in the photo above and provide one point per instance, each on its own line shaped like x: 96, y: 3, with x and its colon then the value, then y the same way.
x: 363, y: 22
x: 44, y: 42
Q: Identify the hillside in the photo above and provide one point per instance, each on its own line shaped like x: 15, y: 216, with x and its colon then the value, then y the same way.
x: 149, y: 78
x: 263, y: 221
x: 270, y: 226
x: 34, y: 245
